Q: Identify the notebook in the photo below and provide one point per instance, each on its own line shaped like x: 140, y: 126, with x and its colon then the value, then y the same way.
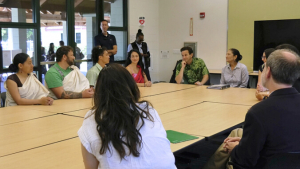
x: 177, y: 137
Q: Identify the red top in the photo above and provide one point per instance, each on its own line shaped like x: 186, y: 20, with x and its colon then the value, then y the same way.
x: 138, y: 77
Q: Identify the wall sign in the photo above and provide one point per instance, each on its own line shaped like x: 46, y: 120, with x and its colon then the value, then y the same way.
x: 191, y: 27
x: 142, y: 21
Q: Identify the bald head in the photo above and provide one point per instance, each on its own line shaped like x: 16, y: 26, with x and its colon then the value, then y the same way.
x: 284, y: 65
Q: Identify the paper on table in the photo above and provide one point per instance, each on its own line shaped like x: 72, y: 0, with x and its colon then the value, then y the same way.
x: 177, y: 137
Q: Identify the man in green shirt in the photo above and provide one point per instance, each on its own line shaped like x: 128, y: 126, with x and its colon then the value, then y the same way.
x: 192, y: 70
x: 100, y: 57
x: 56, y: 74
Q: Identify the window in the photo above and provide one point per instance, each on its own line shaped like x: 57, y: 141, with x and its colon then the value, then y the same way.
x: 113, y: 12
x: 16, y: 11
x: 121, y: 38
x: 14, y: 41
x: 74, y: 22
x: 53, y: 30
x: 85, y: 29
x: 78, y: 38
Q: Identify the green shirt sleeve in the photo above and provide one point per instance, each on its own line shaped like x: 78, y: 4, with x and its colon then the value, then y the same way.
x: 178, y: 67
x: 53, y: 80
x: 204, y: 69
x: 92, y: 77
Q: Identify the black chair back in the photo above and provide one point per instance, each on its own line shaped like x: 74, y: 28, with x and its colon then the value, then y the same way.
x: 172, y: 80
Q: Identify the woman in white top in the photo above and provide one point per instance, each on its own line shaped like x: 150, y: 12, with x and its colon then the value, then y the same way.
x: 235, y: 73
x: 121, y: 131
x: 23, y: 88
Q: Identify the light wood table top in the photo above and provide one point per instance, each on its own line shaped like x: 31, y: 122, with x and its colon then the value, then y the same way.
x: 163, y: 88
x: 243, y: 96
x: 80, y: 113
x: 33, y: 133
x: 16, y: 114
x: 61, y: 155
x: 65, y: 105
x: 164, y: 103
x: 205, y: 119
x: 161, y: 103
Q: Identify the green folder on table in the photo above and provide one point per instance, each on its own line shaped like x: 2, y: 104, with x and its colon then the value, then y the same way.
x: 177, y: 137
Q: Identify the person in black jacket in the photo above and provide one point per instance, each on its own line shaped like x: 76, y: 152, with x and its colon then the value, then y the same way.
x: 141, y: 46
x: 272, y: 125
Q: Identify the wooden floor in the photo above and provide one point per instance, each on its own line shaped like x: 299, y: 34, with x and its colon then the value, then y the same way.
x: 35, y: 137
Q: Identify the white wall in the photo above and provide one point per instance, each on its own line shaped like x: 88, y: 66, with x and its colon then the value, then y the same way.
x: 167, y: 28
x: 210, y: 33
x: 150, y: 10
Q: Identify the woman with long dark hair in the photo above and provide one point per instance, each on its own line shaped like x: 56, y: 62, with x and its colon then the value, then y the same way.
x: 51, y: 54
x: 122, y: 131
x: 23, y: 88
x: 135, y: 67
x: 51, y: 50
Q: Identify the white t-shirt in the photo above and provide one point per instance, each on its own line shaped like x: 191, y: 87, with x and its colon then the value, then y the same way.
x: 155, y: 152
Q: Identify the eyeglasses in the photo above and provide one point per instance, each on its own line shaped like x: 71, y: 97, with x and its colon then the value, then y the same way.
x: 263, y: 57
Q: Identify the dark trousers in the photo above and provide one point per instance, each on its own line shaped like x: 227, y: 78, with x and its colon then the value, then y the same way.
x: 147, y: 73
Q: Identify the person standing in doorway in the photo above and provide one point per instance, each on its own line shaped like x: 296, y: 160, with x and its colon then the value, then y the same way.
x: 61, y: 43
x: 141, y: 46
x: 104, y: 39
x: 51, y: 54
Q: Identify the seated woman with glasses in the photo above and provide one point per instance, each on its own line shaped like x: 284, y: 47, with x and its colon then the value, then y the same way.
x: 121, y: 130
x: 135, y: 67
x: 261, y: 91
x: 23, y: 88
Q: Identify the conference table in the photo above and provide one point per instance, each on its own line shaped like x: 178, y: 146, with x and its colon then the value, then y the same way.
x: 40, y: 136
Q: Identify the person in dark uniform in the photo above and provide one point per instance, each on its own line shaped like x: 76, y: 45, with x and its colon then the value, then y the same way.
x: 141, y: 46
x: 104, y: 39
